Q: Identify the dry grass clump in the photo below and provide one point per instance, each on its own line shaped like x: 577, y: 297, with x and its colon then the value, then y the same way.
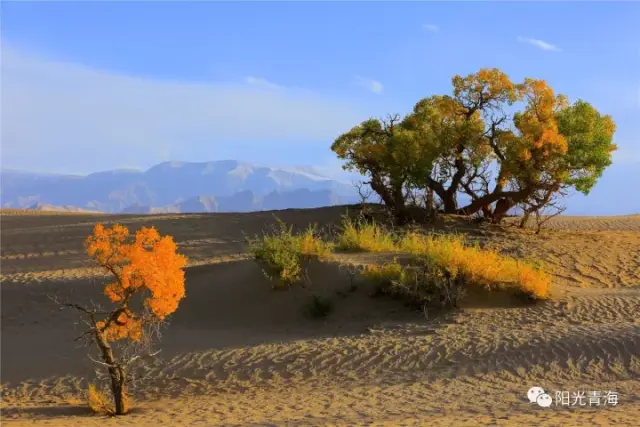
x: 441, y: 263
x: 312, y: 246
x: 281, y: 252
x: 477, y: 266
x: 98, y: 401
x: 358, y: 235
x: 382, y: 275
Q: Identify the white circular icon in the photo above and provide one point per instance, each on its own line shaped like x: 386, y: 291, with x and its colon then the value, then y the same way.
x: 544, y: 400
x: 533, y: 394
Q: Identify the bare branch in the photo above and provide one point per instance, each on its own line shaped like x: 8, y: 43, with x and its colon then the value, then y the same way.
x: 364, y: 196
x: 108, y: 365
x: 138, y: 357
x: 84, y: 335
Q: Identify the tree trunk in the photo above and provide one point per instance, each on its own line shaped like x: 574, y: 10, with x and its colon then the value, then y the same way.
x: 430, y: 203
x: 502, y: 208
x: 450, y: 202
x: 525, y: 218
x: 435, y: 187
x: 487, y: 211
x: 378, y: 186
x: 456, y: 179
x: 118, y: 388
x: 116, y: 372
x: 399, y: 204
x: 478, y: 204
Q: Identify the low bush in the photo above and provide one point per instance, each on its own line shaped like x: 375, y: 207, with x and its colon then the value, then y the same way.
x: 383, y: 275
x: 318, y: 307
x: 418, y: 284
x: 281, y: 252
x: 477, y: 266
x: 440, y: 265
x: 357, y: 235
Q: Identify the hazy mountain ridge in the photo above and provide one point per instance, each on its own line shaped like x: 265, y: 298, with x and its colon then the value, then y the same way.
x: 46, y: 207
x: 219, y: 186
x: 246, y: 201
x: 227, y: 186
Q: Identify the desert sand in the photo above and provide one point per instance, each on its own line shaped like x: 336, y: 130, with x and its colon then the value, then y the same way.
x: 238, y: 353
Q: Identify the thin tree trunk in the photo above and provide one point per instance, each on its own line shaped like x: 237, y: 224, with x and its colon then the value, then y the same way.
x: 430, y: 203
x: 525, y: 218
x: 118, y: 387
x: 116, y: 373
x: 398, y: 198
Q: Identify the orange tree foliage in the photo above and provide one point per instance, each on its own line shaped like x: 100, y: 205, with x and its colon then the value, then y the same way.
x: 144, y: 264
x: 469, y: 142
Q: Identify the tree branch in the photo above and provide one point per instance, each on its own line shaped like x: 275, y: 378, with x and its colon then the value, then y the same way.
x: 436, y: 186
x: 487, y: 199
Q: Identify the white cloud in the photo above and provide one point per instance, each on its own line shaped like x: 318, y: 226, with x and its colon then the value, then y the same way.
x: 539, y: 44
x: 431, y: 27
x: 370, y: 84
x: 260, y: 82
x: 65, y: 113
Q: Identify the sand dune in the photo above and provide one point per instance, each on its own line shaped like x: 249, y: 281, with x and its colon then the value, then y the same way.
x: 238, y: 353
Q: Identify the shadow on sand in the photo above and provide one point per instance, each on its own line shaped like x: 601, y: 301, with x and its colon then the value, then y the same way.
x: 228, y: 305
x: 58, y: 411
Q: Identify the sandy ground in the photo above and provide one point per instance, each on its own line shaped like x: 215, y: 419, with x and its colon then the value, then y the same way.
x: 238, y: 353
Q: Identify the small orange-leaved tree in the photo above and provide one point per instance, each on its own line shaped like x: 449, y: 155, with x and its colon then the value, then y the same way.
x: 147, y: 286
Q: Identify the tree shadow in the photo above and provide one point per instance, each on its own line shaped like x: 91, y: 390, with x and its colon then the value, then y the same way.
x: 62, y: 410
x: 52, y: 411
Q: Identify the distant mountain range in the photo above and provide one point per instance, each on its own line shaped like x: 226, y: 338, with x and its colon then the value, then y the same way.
x: 47, y: 207
x: 176, y: 187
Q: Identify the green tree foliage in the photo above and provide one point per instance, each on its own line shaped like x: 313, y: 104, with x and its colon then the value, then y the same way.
x: 472, y: 142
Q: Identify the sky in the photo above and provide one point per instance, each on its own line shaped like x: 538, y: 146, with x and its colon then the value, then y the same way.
x: 90, y: 86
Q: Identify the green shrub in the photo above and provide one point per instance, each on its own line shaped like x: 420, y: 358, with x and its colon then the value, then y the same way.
x: 280, y: 252
x: 418, y: 284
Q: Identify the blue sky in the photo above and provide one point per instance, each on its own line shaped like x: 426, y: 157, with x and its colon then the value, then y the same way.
x: 93, y: 86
